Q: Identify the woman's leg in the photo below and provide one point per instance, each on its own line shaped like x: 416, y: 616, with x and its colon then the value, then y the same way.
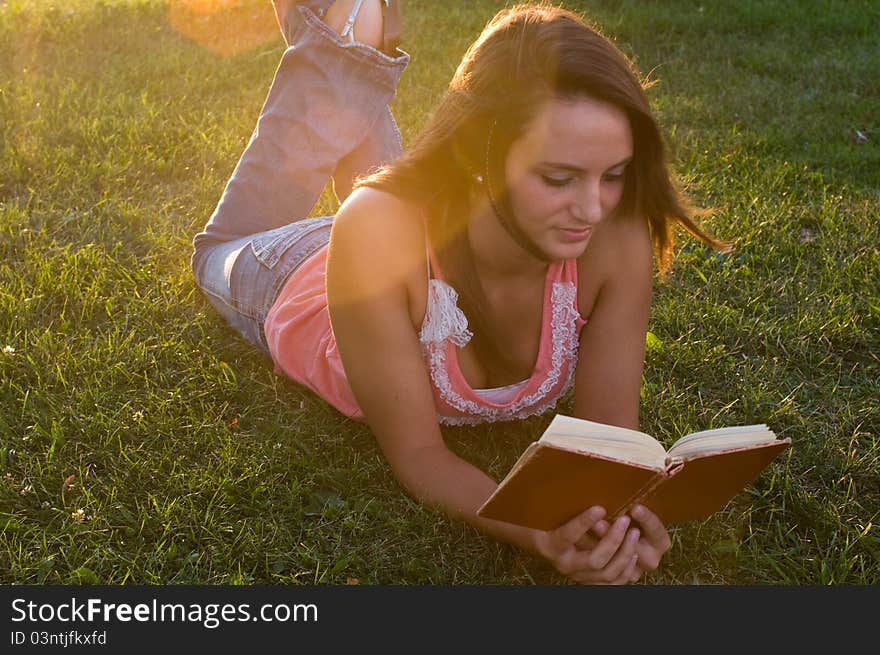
x: 381, y: 146
x: 364, y: 21
x: 326, y: 97
x: 328, y: 100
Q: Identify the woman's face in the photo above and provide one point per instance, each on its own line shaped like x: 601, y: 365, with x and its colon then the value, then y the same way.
x: 565, y: 174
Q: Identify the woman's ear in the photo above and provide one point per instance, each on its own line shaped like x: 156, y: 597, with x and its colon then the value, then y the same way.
x: 465, y: 161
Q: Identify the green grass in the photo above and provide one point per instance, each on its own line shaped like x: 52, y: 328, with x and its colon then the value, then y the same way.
x: 143, y: 442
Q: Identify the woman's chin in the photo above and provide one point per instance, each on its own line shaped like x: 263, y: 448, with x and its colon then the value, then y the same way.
x: 567, y: 249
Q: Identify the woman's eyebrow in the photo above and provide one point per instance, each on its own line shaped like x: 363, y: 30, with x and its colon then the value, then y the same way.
x: 578, y: 169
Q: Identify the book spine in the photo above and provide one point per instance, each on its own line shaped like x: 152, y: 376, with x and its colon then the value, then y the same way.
x: 646, y: 490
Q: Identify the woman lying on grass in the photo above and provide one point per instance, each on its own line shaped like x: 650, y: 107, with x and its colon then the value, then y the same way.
x: 506, y: 256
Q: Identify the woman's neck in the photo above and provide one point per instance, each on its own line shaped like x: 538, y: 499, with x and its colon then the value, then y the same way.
x: 497, y: 257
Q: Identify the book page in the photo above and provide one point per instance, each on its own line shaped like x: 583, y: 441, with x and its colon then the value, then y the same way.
x: 710, y: 441
x: 608, y: 440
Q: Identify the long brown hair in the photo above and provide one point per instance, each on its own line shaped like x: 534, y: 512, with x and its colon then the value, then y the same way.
x: 525, y: 56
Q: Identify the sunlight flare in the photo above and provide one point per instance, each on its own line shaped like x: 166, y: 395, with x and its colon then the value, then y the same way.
x: 224, y: 27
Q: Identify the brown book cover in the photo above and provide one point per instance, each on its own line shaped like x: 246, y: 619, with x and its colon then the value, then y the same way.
x: 552, y: 483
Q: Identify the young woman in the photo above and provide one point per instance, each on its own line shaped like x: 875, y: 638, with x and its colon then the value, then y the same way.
x: 506, y: 256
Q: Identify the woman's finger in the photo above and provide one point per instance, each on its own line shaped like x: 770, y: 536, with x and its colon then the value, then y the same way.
x: 636, y: 572
x: 619, y: 566
x: 652, y: 527
x: 600, y: 529
x: 608, y: 546
x: 601, y: 578
x: 571, y: 532
x: 587, y: 542
x: 630, y: 574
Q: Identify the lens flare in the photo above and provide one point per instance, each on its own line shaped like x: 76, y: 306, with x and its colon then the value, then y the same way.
x: 224, y: 27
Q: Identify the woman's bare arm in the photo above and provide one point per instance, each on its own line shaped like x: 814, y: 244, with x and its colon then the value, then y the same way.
x: 612, y: 346
x: 612, y: 355
x: 375, y: 267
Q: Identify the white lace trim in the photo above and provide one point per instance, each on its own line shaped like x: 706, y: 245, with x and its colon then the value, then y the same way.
x: 443, y: 319
x: 447, y: 319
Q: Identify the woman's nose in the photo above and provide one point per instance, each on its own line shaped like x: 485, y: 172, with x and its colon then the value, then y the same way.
x: 587, y: 205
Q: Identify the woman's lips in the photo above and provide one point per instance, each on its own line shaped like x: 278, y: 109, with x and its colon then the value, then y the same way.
x: 575, y: 234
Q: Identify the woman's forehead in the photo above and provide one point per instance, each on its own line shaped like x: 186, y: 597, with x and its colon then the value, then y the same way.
x: 577, y: 128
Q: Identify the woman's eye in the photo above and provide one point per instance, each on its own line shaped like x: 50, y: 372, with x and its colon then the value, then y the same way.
x: 556, y: 181
x: 613, y: 177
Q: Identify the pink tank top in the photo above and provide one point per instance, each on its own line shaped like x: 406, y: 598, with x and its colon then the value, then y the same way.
x: 303, y: 347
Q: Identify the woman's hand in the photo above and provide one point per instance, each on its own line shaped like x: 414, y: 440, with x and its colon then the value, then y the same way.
x: 652, y: 544
x: 611, y: 559
x: 655, y: 539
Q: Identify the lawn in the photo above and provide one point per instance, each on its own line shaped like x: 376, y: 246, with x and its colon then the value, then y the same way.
x: 142, y: 442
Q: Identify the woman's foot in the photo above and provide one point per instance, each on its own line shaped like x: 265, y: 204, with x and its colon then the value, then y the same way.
x: 357, y: 20
x: 374, y: 22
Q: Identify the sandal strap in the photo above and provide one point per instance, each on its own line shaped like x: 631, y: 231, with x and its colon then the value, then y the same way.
x: 348, y: 28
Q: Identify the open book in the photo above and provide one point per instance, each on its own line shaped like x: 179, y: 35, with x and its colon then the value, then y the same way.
x: 577, y: 464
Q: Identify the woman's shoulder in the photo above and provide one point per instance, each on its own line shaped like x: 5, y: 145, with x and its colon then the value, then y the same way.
x: 377, y: 245
x: 619, y: 256
x: 621, y: 240
x: 381, y: 219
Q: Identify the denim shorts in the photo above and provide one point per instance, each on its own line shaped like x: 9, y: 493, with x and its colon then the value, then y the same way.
x: 326, y: 117
x: 242, y: 278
